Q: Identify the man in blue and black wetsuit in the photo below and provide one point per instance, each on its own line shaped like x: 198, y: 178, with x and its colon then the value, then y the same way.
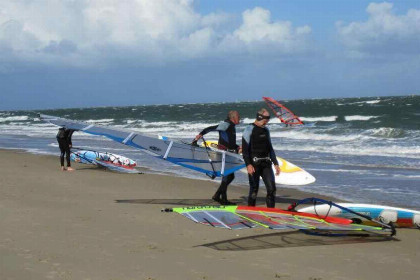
x: 259, y: 155
x: 227, y: 142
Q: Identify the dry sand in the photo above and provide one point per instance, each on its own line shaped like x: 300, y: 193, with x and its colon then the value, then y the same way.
x: 68, y: 225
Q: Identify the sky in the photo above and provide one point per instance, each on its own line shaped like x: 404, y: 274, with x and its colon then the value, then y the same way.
x: 86, y: 53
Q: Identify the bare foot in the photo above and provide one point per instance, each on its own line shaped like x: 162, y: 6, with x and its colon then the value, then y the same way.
x: 70, y: 169
x: 63, y: 168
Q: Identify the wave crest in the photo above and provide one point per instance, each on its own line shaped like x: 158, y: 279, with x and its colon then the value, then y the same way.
x: 387, y: 132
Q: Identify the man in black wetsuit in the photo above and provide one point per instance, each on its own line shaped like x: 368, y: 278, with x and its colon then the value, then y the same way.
x: 227, y: 142
x: 259, y: 155
x: 64, y: 142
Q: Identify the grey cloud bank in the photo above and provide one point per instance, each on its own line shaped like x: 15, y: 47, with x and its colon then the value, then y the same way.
x: 95, y: 53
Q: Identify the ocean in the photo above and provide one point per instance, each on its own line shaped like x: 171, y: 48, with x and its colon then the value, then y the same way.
x: 365, y: 150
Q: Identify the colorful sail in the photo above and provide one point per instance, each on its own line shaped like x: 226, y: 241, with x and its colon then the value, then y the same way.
x: 241, y: 217
x: 212, y: 163
x: 284, y: 114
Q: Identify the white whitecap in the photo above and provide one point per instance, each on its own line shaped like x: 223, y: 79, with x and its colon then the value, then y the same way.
x: 359, y: 118
x: 100, y: 121
x: 14, y: 118
x: 319, y: 119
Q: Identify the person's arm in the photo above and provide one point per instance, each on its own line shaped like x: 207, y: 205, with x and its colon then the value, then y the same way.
x: 273, y: 155
x: 208, y: 129
x: 245, y: 152
x: 69, y: 137
x: 238, y: 148
x: 272, y: 152
x: 205, y: 131
x: 246, y: 141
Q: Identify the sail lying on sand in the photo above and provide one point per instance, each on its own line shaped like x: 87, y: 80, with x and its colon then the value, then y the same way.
x: 242, y: 217
x: 284, y: 114
x: 212, y: 163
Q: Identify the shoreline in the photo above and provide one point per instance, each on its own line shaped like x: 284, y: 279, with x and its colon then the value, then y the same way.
x: 96, y: 224
x: 236, y: 193
x: 237, y: 188
x: 233, y: 188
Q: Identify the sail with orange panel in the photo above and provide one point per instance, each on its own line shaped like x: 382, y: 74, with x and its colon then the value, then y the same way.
x: 284, y: 114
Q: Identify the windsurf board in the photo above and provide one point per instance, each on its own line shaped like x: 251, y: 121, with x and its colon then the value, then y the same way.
x: 290, y: 174
x: 400, y: 217
x: 107, y: 160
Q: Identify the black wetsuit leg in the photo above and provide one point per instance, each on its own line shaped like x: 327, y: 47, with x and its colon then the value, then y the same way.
x: 68, y: 156
x: 64, y: 150
x: 267, y: 175
x: 221, y: 192
x: 254, y: 184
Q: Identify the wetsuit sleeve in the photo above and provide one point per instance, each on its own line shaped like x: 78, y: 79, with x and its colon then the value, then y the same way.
x: 69, y: 137
x: 246, y: 141
x: 272, y: 153
x: 234, y: 138
x: 208, y: 129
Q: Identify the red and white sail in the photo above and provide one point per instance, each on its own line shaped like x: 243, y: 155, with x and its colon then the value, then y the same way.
x: 284, y: 114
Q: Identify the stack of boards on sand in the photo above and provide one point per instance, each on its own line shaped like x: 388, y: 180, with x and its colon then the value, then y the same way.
x: 103, y: 159
x: 290, y: 174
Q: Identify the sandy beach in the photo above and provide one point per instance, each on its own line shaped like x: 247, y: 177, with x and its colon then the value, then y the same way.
x: 97, y: 224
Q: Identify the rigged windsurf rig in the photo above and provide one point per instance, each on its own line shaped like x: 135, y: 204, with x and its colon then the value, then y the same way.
x: 284, y: 114
x: 212, y: 163
x: 244, y: 217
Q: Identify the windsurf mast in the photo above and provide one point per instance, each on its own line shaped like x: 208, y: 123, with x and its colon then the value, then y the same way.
x: 284, y: 114
x: 213, y: 175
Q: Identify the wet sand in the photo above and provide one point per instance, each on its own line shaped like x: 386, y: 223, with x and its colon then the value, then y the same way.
x: 97, y: 224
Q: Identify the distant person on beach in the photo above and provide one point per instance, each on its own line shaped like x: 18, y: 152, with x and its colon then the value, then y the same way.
x: 227, y: 142
x: 64, y: 142
x: 259, y: 155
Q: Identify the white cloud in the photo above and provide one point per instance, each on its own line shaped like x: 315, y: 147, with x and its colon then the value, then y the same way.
x: 99, y: 32
x: 383, y: 32
x: 258, y: 34
x: 256, y: 27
